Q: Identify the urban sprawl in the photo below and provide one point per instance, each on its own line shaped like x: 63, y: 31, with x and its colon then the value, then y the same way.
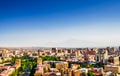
x: 60, y: 61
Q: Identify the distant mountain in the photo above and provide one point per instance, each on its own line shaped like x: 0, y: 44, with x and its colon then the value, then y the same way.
x: 82, y: 43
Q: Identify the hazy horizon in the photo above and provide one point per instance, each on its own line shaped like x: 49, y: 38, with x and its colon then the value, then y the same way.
x: 60, y: 23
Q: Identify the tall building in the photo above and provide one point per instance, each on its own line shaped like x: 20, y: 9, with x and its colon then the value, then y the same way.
x: 70, y: 72
x: 76, y: 73
x: 4, y: 53
x: 17, y: 63
x: 39, y: 52
x: 77, y: 52
x: 39, y: 61
x: 119, y: 48
x: 114, y: 60
x: 102, y: 55
x: 0, y: 52
x: 54, y: 50
x: 62, y: 72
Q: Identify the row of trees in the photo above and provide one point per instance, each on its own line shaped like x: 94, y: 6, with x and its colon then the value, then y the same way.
x: 27, y: 61
x: 27, y: 65
x: 87, y: 65
x: 50, y: 58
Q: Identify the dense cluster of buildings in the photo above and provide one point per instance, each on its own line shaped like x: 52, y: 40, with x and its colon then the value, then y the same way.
x: 7, y: 70
x: 71, y: 61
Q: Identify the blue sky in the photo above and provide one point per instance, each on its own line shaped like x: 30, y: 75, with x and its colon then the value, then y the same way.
x: 65, y: 23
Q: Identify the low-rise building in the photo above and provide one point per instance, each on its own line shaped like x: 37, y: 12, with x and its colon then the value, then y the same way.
x: 112, y: 68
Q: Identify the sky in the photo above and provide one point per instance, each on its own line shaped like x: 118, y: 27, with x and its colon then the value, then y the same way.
x: 59, y: 23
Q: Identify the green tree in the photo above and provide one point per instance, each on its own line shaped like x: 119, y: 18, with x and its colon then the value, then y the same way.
x: 90, y: 74
x: 49, y: 58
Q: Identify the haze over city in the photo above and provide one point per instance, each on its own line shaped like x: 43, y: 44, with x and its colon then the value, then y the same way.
x: 59, y: 23
x: 59, y: 37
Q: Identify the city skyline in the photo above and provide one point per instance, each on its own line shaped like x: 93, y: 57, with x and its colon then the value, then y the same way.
x: 84, y: 23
